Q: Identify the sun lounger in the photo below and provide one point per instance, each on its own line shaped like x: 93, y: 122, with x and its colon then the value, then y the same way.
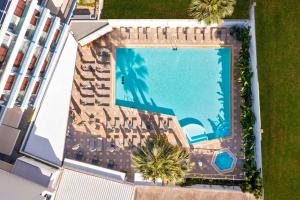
x: 143, y: 126
x: 86, y: 67
x: 86, y: 84
x: 125, y: 33
x: 92, y: 145
x: 140, y: 33
x: 99, y: 144
x: 87, y: 75
x: 146, y: 31
x: 126, y: 142
x: 102, y: 86
x: 199, y: 34
x: 153, y: 34
x: 190, y: 34
x: 87, y: 101
x: 109, y: 127
x: 102, y: 101
x: 181, y: 34
x: 87, y: 92
x: 215, y: 34
x: 102, y: 75
x: 160, y: 33
x: 133, y: 34
x: 136, y: 141
x: 119, y: 143
x: 207, y: 35
x: 134, y: 125
x: 102, y: 93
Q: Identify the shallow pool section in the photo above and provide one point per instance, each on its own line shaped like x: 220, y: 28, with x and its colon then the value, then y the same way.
x: 191, y: 83
x: 224, y: 161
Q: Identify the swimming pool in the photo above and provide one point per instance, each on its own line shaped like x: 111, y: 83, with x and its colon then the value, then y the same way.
x: 191, y: 83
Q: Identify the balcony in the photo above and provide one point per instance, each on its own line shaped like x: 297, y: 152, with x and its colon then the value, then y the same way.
x: 29, y: 33
x: 42, y: 39
x: 13, y: 25
x: 19, y: 99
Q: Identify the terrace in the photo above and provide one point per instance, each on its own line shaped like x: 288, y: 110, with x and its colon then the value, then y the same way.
x: 104, y: 134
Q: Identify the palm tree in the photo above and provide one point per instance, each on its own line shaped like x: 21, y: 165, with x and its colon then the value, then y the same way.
x: 211, y: 11
x: 158, y: 159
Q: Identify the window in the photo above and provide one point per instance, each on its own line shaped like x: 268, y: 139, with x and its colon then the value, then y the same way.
x: 36, y: 87
x: 9, y: 82
x: 32, y: 63
x: 3, y: 52
x: 47, y: 25
x: 55, y: 37
x: 35, y: 17
x: 24, y: 84
x: 44, y: 67
x: 19, y: 59
x: 20, y: 8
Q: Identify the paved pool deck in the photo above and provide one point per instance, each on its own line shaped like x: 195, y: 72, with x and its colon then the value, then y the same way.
x: 108, y: 123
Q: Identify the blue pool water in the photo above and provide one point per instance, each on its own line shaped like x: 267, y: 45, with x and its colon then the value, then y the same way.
x: 191, y: 83
x: 223, y: 161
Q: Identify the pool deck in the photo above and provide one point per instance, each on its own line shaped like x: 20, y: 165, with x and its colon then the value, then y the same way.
x: 98, y: 130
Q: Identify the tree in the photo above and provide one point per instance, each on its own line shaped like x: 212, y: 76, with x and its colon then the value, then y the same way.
x: 211, y: 11
x: 158, y: 159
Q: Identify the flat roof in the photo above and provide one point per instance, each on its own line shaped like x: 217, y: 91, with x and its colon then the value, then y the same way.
x: 33, y: 170
x: 82, y: 29
x: 46, y: 137
x: 76, y: 185
x: 15, y: 187
x: 12, y: 117
x: 8, y: 138
x: 100, y: 171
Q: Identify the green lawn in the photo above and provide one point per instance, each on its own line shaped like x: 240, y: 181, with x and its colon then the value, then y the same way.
x: 157, y: 9
x: 278, y: 44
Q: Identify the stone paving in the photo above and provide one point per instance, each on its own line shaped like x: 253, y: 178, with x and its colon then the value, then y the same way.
x: 104, y: 134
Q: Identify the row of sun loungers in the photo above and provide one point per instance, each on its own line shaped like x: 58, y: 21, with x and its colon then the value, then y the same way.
x: 91, y: 101
x: 200, y: 34
x: 144, y: 125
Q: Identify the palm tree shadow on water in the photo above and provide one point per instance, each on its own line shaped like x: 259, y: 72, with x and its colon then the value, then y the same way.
x: 133, y: 74
x: 220, y: 126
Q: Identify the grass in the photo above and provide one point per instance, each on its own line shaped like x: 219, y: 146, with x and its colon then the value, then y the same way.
x: 158, y: 9
x: 278, y: 30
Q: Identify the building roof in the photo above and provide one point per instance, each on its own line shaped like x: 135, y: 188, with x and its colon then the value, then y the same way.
x: 76, y: 185
x: 178, y: 193
x: 14, y: 187
x: 8, y: 138
x: 46, y: 136
x: 96, y: 170
x: 82, y: 29
x: 12, y: 117
x: 33, y: 170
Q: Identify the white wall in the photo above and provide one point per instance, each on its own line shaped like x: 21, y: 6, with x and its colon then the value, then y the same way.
x: 255, y: 88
